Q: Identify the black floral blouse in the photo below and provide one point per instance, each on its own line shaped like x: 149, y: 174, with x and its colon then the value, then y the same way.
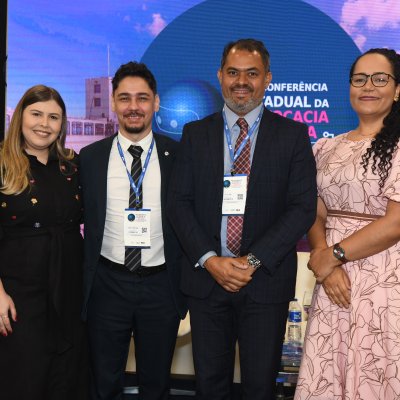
x: 52, y: 199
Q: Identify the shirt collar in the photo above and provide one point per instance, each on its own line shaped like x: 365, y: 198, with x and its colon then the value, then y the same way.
x: 231, y: 117
x: 144, y: 143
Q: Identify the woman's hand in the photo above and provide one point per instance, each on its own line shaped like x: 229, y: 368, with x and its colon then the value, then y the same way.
x: 337, y: 287
x: 322, y: 263
x: 7, y: 311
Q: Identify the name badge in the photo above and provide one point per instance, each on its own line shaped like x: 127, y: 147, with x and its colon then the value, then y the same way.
x: 137, y: 228
x: 234, y: 195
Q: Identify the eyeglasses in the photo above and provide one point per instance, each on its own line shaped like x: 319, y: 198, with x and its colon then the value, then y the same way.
x: 378, y: 79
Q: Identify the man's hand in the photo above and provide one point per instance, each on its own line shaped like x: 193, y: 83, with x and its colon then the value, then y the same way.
x: 247, y: 269
x: 231, y: 273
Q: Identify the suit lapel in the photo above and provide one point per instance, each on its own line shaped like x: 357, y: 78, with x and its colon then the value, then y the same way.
x: 266, y: 134
x: 216, y: 143
x: 101, y: 162
x: 165, y: 158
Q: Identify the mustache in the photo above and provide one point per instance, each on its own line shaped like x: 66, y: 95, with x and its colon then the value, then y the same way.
x: 133, y: 114
x: 238, y: 86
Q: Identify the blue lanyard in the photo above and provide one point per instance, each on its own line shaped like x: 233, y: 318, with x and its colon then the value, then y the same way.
x: 227, y: 131
x: 135, y: 188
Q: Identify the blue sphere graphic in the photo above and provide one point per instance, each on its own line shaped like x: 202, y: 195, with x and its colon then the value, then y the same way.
x: 305, y: 53
x: 185, y: 101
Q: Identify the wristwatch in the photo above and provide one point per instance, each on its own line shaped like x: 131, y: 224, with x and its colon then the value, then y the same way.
x: 339, y: 253
x: 253, y: 261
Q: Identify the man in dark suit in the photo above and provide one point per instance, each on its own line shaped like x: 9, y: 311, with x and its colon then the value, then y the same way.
x: 132, y: 257
x: 242, y: 194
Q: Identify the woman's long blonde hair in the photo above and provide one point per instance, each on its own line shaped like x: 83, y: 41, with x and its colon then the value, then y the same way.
x: 14, y: 164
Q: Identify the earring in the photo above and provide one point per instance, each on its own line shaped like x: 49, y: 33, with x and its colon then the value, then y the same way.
x: 396, y: 97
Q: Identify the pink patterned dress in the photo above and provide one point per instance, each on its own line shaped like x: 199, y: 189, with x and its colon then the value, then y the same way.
x: 354, y: 354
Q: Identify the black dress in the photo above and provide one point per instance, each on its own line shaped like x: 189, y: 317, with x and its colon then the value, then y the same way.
x: 41, y: 253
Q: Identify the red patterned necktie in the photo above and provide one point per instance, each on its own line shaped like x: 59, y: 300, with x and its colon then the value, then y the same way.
x: 241, y: 166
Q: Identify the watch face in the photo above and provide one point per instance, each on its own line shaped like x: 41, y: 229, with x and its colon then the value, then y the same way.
x: 339, y: 253
x: 253, y: 261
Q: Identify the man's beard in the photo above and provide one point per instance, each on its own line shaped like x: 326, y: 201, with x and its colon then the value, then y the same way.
x: 134, y: 129
x: 242, y: 108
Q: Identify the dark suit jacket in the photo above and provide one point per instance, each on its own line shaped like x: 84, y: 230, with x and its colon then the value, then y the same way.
x: 94, y: 164
x: 280, y: 206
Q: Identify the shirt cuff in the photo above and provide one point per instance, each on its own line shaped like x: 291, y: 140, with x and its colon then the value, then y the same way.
x: 204, y: 258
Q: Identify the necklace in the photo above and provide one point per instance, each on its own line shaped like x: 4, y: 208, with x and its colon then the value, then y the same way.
x: 364, y: 135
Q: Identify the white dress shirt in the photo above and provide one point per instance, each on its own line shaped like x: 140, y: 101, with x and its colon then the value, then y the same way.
x: 118, y: 187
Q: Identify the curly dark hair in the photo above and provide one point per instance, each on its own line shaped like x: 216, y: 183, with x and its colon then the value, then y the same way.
x: 134, y: 68
x: 385, y: 142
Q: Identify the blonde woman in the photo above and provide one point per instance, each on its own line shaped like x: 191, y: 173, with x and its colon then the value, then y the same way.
x: 41, y: 337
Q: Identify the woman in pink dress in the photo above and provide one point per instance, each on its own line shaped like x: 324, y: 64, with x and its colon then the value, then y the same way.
x: 352, y: 345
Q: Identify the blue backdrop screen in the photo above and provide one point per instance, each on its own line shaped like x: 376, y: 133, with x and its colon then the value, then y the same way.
x: 74, y: 45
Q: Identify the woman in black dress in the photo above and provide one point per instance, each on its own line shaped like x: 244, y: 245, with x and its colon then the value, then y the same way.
x: 42, y: 340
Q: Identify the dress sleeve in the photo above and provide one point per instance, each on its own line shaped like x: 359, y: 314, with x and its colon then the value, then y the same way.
x: 391, y: 190
x: 318, y: 148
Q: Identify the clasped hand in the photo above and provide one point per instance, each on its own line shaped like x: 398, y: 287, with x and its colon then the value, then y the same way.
x: 329, y: 272
x: 231, y: 273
